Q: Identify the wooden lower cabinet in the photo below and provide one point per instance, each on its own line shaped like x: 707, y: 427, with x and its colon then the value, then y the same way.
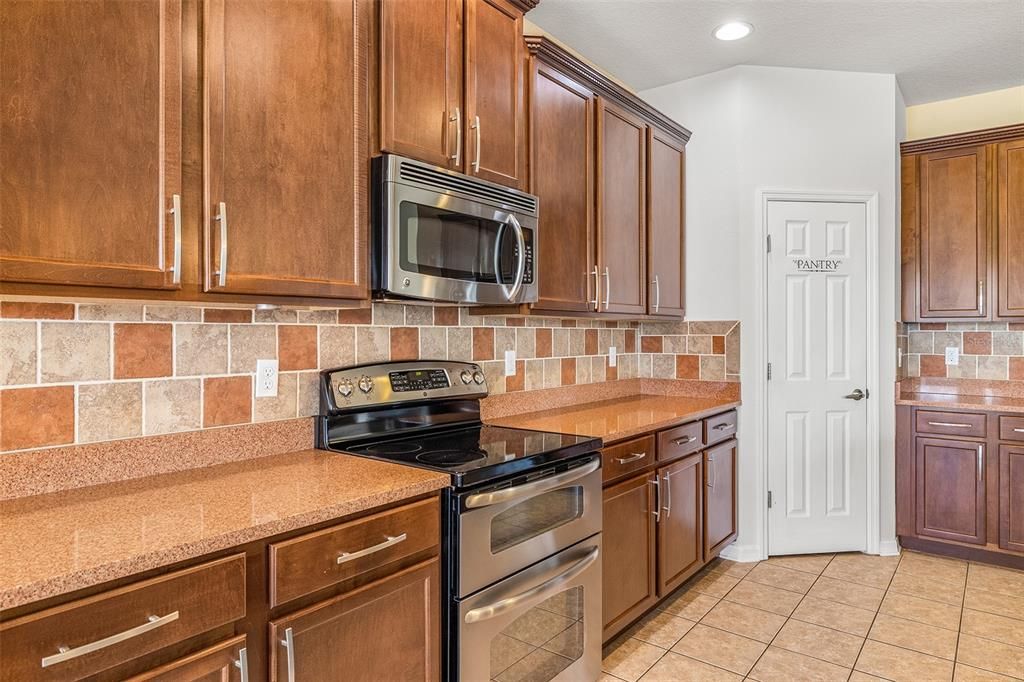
x: 950, y: 489
x: 387, y: 630
x: 219, y: 663
x: 719, y: 497
x: 1011, y: 497
x: 630, y: 586
x: 680, y: 532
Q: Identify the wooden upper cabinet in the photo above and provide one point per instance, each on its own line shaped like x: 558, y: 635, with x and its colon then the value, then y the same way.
x: 562, y: 175
x: 286, y: 192
x: 666, y: 260
x: 1010, y: 234
x: 622, y: 202
x: 90, y: 142
x: 421, y: 80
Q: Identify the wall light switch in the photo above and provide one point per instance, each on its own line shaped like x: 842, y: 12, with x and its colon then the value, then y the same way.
x: 510, y: 363
x: 612, y: 356
x: 952, y: 355
x: 266, y: 378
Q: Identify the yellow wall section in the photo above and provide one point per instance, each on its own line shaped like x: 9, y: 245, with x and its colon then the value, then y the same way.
x: 963, y: 114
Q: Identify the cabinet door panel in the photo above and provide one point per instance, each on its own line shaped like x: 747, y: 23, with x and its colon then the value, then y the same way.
x: 562, y: 144
x: 621, y: 200
x: 950, y: 490
x: 421, y: 79
x: 719, y: 498
x: 680, y: 548
x: 286, y: 147
x: 1010, y: 251
x: 954, y: 234
x: 628, y: 539
x: 90, y: 141
x: 219, y: 663
x: 495, y: 125
x: 665, y: 228
x: 1011, y: 497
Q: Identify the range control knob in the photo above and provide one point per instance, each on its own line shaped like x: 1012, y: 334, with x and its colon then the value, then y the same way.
x: 345, y: 388
x: 466, y: 376
x: 365, y: 384
x: 478, y: 377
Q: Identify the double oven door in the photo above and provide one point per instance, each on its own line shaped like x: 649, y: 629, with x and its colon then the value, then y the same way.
x: 526, y: 584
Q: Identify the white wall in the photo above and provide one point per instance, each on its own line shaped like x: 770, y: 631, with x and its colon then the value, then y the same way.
x: 767, y: 128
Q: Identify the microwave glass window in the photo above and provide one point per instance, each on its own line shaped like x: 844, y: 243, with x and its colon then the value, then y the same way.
x: 441, y: 243
x: 542, y: 642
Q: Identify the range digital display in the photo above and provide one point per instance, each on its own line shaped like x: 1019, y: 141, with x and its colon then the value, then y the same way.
x: 418, y: 380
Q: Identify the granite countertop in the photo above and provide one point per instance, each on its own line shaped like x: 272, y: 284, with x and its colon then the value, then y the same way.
x: 959, y: 401
x: 621, y: 418
x: 59, y: 542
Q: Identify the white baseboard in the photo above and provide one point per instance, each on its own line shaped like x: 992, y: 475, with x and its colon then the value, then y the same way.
x: 742, y: 553
x: 889, y: 547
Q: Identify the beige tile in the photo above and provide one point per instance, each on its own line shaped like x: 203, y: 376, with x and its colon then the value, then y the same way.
x: 936, y: 590
x: 992, y: 626
x: 677, y: 668
x: 820, y: 642
x: 994, y: 602
x: 782, y: 577
x: 275, y: 315
x: 249, y: 343
x: 744, y: 620
x: 74, y: 351
x: 689, y: 605
x: 996, y: 579
x: 863, y: 569
x: 173, y: 313
x: 18, y: 359
x: 720, y: 648
x: 108, y: 411
x: 894, y: 663
x: 309, y: 393
x: 921, y: 610
x: 630, y: 659
x: 764, y: 597
x: 419, y: 315
x: 808, y: 563
x: 319, y: 316
x: 733, y: 568
x: 712, y: 368
x: 282, y: 406
x: 843, y: 592
x: 834, y: 615
x: 909, y: 634
x: 460, y: 344
x: 966, y: 673
x: 388, y: 314
x: 537, y: 665
x: 989, y: 655
x: 933, y: 567
x: 373, y: 344
x: 433, y: 343
x: 110, y: 312
x: 858, y: 676
x: 780, y: 665
x: 200, y: 349
x: 172, y: 405
x: 713, y: 583
x: 661, y: 629
x: 338, y: 346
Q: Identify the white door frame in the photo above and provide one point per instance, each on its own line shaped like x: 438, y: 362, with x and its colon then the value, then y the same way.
x: 870, y: 202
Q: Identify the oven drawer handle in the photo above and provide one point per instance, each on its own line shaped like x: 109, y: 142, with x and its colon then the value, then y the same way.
x: 390, y: 541
x: 633, y: 457
x: 534, y: 594
x: 526, y: 490
x: 66, y: 654
x: 951, y: 425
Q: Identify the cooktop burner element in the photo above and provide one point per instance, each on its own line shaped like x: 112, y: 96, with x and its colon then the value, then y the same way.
x: 448, y: 457
x: 394, y: 449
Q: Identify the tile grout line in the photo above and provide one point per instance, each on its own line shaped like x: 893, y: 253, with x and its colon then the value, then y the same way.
x: 875, y: 617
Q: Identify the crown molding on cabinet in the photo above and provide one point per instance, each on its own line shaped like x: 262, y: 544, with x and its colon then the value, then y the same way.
x: 525, y: 5
x: 975, y: 137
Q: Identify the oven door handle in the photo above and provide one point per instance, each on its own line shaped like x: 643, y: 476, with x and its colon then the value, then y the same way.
x: 534, y: 594
x: 529, y: 489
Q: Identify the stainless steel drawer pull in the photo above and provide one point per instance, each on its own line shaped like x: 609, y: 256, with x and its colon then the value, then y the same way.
x: 981, y: 462
x: 633, y: 457
x: 1018, y: 430
x: 243, y: 664
x: 668, y: 495
x: 66, y: 654
x: 683, y: 440
x: 952, y: 425
x: 222, y: 218
x: 722, y: 427
x: 656, y: 482
x: 391, y: 541
x: 289, y: 644
x: 176, y: 258
x: 713, y: 477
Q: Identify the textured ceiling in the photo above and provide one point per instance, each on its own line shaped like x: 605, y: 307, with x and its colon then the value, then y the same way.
x: 938, y: 49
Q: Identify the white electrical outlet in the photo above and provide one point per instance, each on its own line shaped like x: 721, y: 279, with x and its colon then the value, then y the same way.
x: 612, y: 356
x: 952, y: 355
x: 266, y: 378
x: 510, y: 363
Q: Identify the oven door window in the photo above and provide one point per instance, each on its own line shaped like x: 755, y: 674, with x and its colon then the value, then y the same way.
x: 543, y: 641
x: 440, y: 243
x: 535, y: 516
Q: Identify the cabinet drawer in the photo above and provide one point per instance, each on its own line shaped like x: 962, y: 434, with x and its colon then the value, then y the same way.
x: 682, y: 440
x: 317, y: 560
x: 1011, y: 428
x: 623, y: 458
x: 951, y: 423
x: 720, y: 427
x: 114, y: 627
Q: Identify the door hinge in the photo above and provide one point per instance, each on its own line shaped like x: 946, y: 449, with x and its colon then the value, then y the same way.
x: 769, y: 499
x: 769, y: 243
x: 769, y: 371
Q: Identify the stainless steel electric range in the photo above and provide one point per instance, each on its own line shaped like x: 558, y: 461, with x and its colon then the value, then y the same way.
x: 521, y: 520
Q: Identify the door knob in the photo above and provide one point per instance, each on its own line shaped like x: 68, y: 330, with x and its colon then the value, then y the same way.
x: 856, y: 395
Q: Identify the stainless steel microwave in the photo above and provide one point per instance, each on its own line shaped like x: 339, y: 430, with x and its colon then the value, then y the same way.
x: 439, y: 235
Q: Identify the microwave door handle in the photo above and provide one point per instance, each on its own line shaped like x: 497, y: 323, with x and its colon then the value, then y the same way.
x: 517, y: 286
x: 497, y: 259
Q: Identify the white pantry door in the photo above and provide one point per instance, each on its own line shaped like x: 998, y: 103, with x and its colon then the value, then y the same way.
x: 817, y: 347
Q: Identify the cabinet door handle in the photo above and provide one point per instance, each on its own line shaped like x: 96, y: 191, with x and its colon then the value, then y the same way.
x: 390, y: 541
x: 1018, y: 430
x: 951, y: 425
x: 243, y: 664
x: 657, y: 293
x: 597, y: 290
x: 668, y: 494
x: 289, y: 645
x: 457, y: 119
x: 657, y: 497
x: 722, y: 427
x: 607, y: 288
x: 66, y: 654
x: 176, y: 258
x: 981, y: 296
x: 684, y: 440
x: 981, y: 462
x: 633, y: 457
x: 714, y: 472
x: 222, y: 218
x: 476, y: 127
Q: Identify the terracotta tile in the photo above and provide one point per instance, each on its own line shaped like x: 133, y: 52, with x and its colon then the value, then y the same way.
x: 517, y: 382
x: 780, y: 665
x: 19, y: 359
x: 543, y: 343
x: 227, y: 400
x: 249, y: 343
x: 337, y: 346
x: 977, y: 343
x: 20, y: 423
x: 109, y: 411
x: 718, y: 345
x: 996, y: 579
x: 568, y: 367
x: 921, y: 610
x: 373, y: 344
x: 808, y: 563
x: 936, y: 590
x: 365, y: 316
x: 515, y: 322
x: 764, y: 597
x: 650, y: 344
x: 405, y: 343
x: 483, y: 343
x: 847, y: 593
x: 933, y: 326
x: 631, y: 659
x: 965, y: 673
x: 689, y: 605
x: 933, y: 366
x: 78, y: 351
x: 200, y: 349
x: 590, y: 342
x: 660, y: 629
x: 1015, y: 326
x: 231, y: 315
x: 142, y: 350
x: 785, y: 578
x: 994, y: 627
x: 37, y: 311
x: 894, y: 663
x: 678, y: 668
x: 1016, y: 369
x: 568, y: 323
x: 909, y: 634
x: 611, y: 372
x: 989, y: 655
x: 744, y: 620
x: 282, y: 406
x: 687, y: 367
x: 296, y: 347
x: 830, y: 614
x: 994, y: 602
x: 719, y: 648
x: 839, y: 648
x: 172, y: 405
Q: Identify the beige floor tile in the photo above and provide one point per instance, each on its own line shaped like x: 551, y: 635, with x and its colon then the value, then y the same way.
x: 661, y: 629
x: 605, y: 677
x: 780, y: 665
x: 843, y: 592
x: 733, y: 568
x: 862, y: 569
x: 809, y: 563
x: 630, y: 659
x: 835, y: 615
x: 819, y: 642
x: 909, y: 634
x: 764, y: 597
x: 989, y: 655
x: 936, y: 590
x: 858, y: 676
x: 689, y: 605
x: 994, y: 602
x: 713, y: 583
x: 996, y: 579
x: 720, y: 648
x: 966, y: 673
x: 933, y: 567
x: 782, y: 577
x: 678, y: 668
x: 921, y: 610
x: 991, y: 626
x: 744, y: 620
x: 894, y: 663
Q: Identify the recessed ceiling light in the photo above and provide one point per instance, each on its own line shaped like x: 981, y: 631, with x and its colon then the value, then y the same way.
x: 733, y: 30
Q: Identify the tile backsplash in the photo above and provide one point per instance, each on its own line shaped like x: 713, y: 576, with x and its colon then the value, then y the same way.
x: 988, y: 350
x: 88, y: 372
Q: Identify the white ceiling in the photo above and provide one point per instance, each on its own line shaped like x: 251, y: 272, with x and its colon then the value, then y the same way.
x: 938, y: 49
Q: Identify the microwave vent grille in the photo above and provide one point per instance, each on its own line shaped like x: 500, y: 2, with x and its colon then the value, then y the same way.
x: 464, y: 185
